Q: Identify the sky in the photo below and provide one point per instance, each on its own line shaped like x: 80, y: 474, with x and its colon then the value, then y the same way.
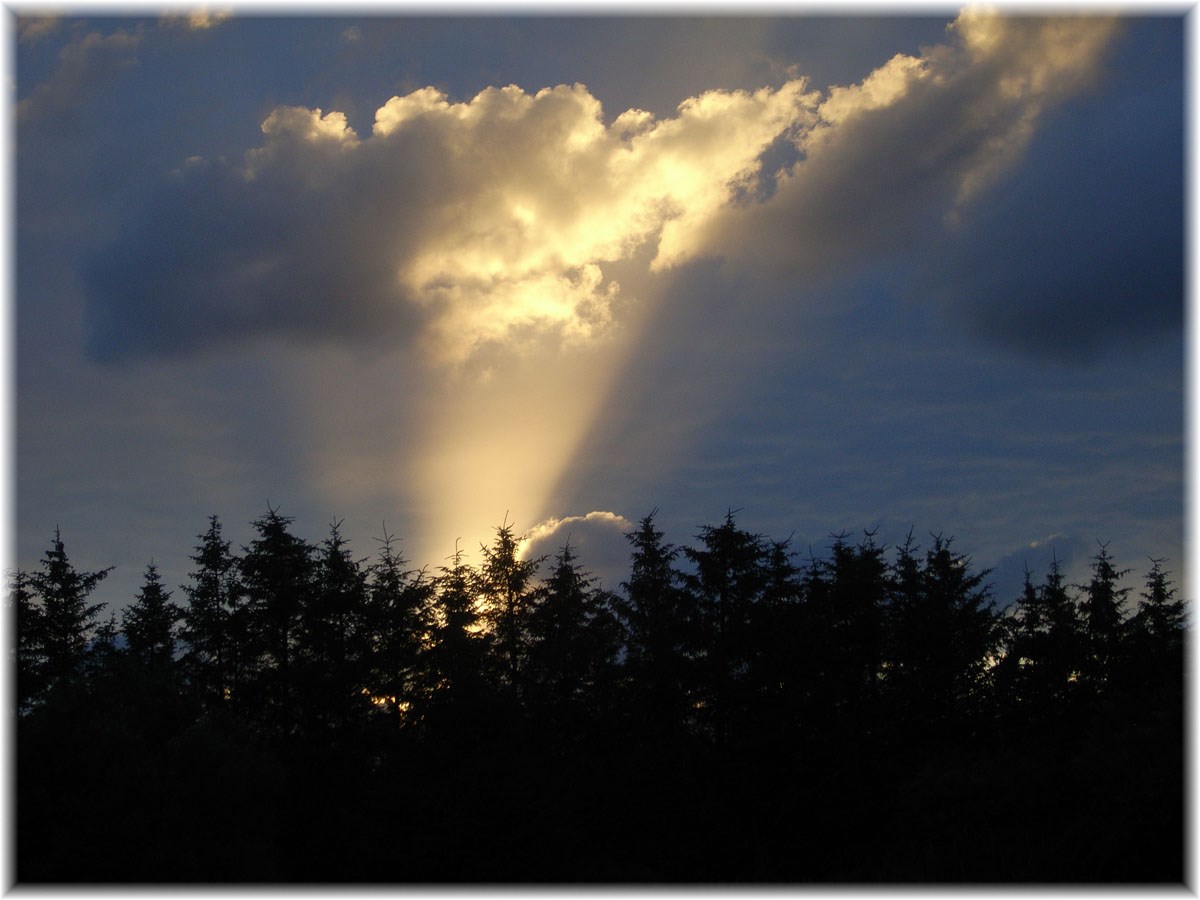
x: 917, y: 271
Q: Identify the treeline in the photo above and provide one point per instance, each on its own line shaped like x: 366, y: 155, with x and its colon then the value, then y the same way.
x: 731, y: 713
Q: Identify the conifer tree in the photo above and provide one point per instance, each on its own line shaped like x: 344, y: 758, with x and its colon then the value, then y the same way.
x: 859, y: 597
x: 775, y: 676
x: 28, y: 649
x: 730, y: 575
x: 574, y: 640
x: 660, y: 625
x: 104, y: 652
x: 944, y: 632
x: 1102, y: 606
x: 277, y: 575
x: 67, y: 621
x: 144, y: 690
x: 1157, y: 631
x: 1160, y: 614
x: 149, y: 623
x: 1045, y: 652
x: 332, y: 635
x: 399, y: 624
x: 840, y: 634
x: 455, y: 663
x: 214, y: 620
x: 505, y: 587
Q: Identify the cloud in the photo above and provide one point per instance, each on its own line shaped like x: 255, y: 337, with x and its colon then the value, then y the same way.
x: 1007, y: 576
x: 458, y: 227
x: 597, y: 539
x: 199, y: 19
x: 31, y: 29
x: 455, y: 225
x: 85, y: 67
x: 1085, y: 252
x: 915, y: 142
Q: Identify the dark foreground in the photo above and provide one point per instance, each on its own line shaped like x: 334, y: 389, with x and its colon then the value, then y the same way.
x: 727, y: 717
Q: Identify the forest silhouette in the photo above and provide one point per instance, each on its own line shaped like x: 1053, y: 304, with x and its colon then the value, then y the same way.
x: 732, y: 713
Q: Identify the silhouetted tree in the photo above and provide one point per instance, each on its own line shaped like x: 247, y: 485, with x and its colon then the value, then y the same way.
x: 1102, y: 606
x: 28, y: 650
x: 455, y: 663
x: 574, y: 641
x: 67, y: 622
x: 333, y: 640
x: 104, y: 652
x: 277, y: 574
x: 214, y: 621
x: 149, y: 623
x: 137, y: 687
x: 944, y: 634
x: 504, y: 591
x: 399, y: 623
x: 1160, y: 614
x: 730, y: 576
x: 1157, y: 631
x: 775, y: 675
x: 859, y: 597
x: 851, y: 687
x: 1045, y: 648
x: 661, y: 629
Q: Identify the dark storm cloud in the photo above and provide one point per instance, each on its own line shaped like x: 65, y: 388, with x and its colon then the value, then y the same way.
x: 1082, y: 250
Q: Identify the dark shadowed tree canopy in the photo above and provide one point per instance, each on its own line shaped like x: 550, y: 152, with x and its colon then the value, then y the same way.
x: 730, y: 714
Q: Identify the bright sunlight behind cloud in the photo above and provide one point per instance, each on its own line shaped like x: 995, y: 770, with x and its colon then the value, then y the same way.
x: 489, y: 235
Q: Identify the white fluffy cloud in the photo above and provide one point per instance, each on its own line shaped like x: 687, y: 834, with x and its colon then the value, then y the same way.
x: 597, y: 540
x: 523, y: 196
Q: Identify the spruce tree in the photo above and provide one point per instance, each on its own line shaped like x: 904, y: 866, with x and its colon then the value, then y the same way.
x: 332, y: 636
x: 455, y: 664
x: 505, y: 588
x: 1046, y: 642
x: 661, y: 628
x: 574, y: 640
x: 944, y: 632
x: 1157, y: 632
x: 858, y: 597
x: 67, y: 621
x: 277, y: 574
x: 149, y: 623
x: 730, y: 575
x: 1102, y: 606
x: 774, y: 675
x: 399, y: 624
x: 214, y: 620
x: 29, y: 647
x: 1159, y: 612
